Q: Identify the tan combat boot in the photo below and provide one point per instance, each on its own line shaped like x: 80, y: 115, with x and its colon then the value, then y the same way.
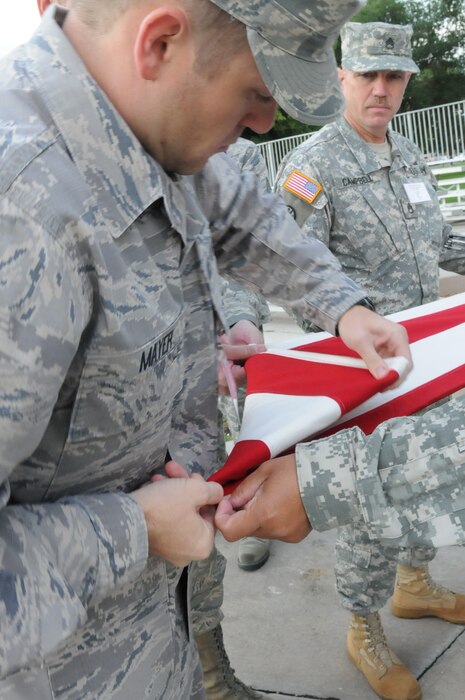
x: 417, y: 595
x: 219, y: 680
x: 369, y: 652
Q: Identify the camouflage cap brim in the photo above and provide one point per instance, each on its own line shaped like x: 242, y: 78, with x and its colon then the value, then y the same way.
x: 306, y: 90
x: 364, y: 64
x: 292, y: 41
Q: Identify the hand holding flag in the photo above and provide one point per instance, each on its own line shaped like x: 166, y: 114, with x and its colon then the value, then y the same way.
x: 373, y: 338
x: 290, y: 399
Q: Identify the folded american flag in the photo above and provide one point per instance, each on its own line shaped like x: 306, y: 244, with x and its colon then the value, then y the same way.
x: 315, y: 385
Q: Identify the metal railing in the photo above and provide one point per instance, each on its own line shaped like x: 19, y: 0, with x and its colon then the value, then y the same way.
x: 274, y: 151
x: 439, y: 132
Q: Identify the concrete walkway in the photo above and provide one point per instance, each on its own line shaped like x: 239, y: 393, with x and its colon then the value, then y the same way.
x: 285, y: 629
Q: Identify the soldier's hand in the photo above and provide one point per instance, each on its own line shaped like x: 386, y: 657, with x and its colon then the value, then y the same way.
x: 266, y: 504
x: 179, y: 517
x: 373, y: 338
x: 243, y: 340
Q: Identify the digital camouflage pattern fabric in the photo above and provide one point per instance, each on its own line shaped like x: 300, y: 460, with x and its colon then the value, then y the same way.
x: 404, y: 483
x: 292, y: 41
x: 376, y: 46
x: 391, y: 246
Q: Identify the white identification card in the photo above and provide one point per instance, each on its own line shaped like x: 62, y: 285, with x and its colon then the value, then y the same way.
x: 417, y: 192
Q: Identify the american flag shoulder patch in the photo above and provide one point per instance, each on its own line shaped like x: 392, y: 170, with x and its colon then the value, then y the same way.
x: 303, y: 186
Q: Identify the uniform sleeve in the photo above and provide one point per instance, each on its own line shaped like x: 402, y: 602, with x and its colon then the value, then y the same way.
x: 56, y: 559
x: 314, y: 218
x: 241, y: 304
x: 259, y: 245
x: 248, y: 158
x: 405, y: 481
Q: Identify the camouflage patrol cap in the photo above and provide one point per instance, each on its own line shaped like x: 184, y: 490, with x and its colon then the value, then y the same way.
x: 377, y: 46
x: 291, y: 41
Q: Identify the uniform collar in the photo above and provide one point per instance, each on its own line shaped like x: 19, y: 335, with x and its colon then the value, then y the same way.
x: 123, y: 178
x: 364, y: 155
x: 401, y: 154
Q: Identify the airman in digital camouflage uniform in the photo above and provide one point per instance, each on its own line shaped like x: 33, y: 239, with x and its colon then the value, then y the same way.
x: 109, y: 309
x: 368, y: 193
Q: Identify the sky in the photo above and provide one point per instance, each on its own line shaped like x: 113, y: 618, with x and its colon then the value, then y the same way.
x: 18, y: 19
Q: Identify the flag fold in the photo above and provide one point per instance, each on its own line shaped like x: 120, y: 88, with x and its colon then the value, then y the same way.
x: 314, y: 385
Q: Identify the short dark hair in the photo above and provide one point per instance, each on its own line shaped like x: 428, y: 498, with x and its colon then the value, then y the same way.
x: 218, y: 35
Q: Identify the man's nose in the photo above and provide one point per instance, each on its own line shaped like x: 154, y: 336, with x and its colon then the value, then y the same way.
x: 380, y: 86
x: 261, y: 118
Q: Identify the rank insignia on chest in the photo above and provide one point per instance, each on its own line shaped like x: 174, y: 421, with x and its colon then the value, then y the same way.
x: 303, y: 186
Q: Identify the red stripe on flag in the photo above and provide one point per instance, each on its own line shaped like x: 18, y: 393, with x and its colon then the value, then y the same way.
x: 273, y: 374
x: 269, y: 373
x: 253, y: 452
x: 404, y: 405
x: 417, y: 329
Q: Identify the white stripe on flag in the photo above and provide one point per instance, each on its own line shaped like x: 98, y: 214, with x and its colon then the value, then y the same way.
x: 281, y: 420
x: 429, y: 362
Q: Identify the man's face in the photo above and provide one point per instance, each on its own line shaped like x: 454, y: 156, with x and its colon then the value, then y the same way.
x: 372, y: 99
x: 205, y: 116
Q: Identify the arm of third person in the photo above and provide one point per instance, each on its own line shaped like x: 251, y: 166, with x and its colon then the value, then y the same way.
x: 373, y: 337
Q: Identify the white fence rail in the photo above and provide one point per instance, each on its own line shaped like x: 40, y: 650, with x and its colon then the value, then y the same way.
x: 274, y: 151
x: 439, y: 133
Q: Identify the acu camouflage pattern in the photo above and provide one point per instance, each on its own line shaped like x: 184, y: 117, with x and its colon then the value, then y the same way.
x: 110, y: 297
x: 391, y: 247
x: 404, y: 483
x: 292, y: 45
x: 374, y: 46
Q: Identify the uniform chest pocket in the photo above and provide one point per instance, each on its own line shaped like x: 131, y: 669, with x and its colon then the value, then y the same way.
x: 422, y: 205
x: 126, y: 392
x: 370, y: 229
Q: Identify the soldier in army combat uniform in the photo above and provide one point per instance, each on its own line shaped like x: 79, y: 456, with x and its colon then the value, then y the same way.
x: 368, y: 193
x: 112, y: 215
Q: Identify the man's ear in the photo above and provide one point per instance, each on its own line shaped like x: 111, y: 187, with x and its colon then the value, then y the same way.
x: 160, y: 33
x: 340, y: 75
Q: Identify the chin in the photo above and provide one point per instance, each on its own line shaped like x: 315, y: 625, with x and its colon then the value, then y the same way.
x: 190, y: 168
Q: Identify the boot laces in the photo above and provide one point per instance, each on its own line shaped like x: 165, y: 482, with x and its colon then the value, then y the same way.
x: 376, y: 641
x: 435, y: 588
